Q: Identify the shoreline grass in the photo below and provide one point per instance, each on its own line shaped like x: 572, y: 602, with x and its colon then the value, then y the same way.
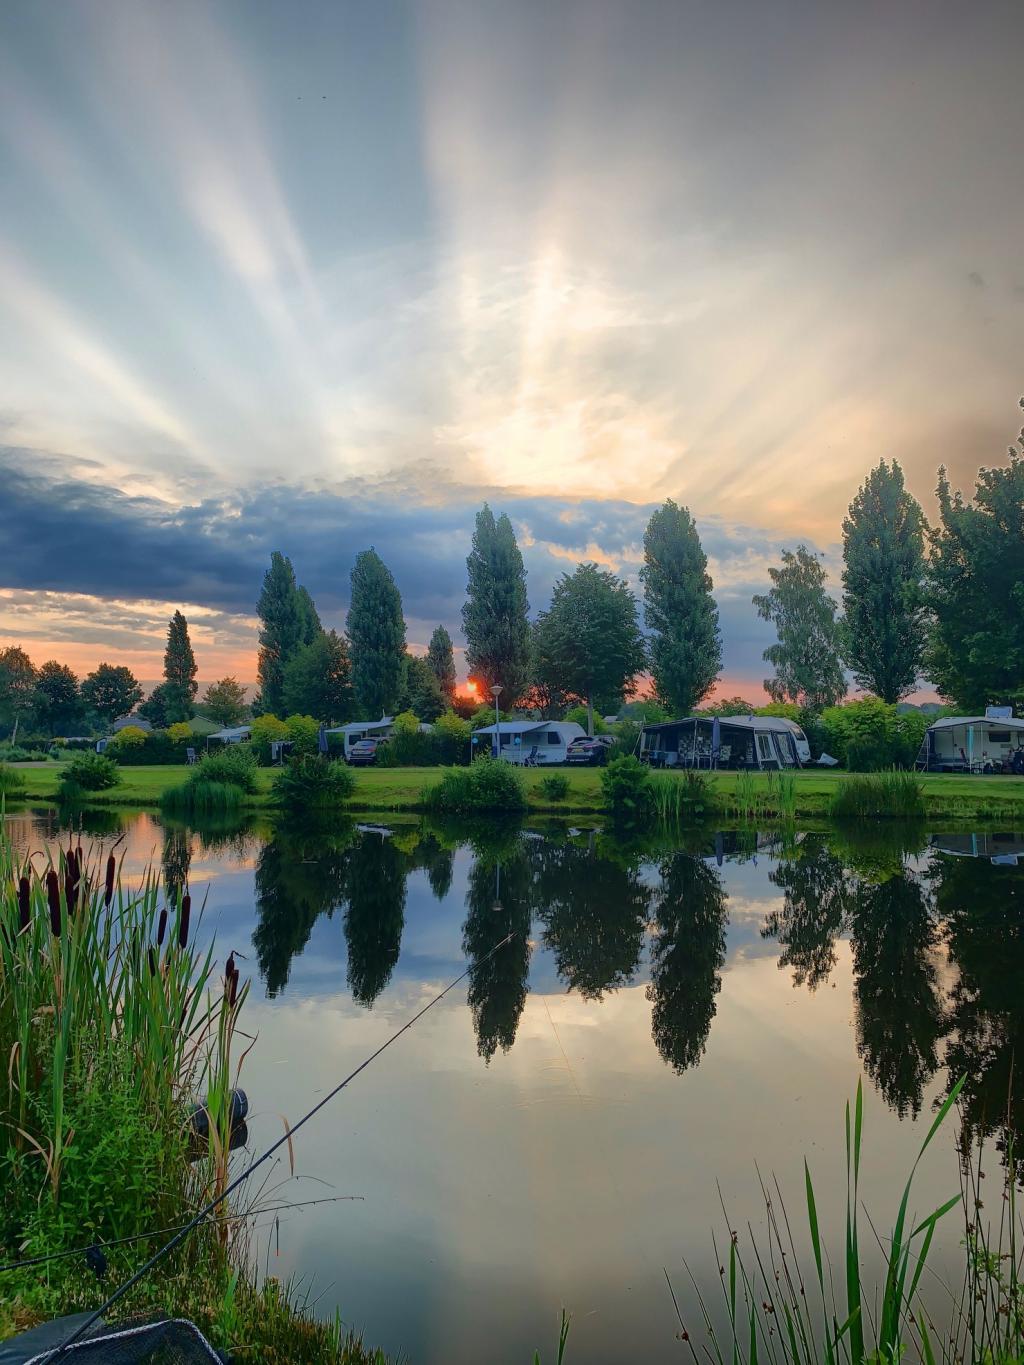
x: 799, y: 795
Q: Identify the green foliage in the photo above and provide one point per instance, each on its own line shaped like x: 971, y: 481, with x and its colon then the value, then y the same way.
x: 486, y: 785
x: 376, y: 633
x: 441, y: 662
x: 202, y: 796
x: 17, y: 685
x: 449, y: 726
x: 406, y: 723
x: 579, y: 715
x: 268, y: 727
x: 284, y: 629
x: 304, y: 733
x: 883, y: 573
x: 317, y: 680
x: 154, y: 708
x: 91, y: 772
x: 806, y: 658
x: 111, y: 691
x: 646, y: 711
x: 589, y: 642
x: 421, y: 691
x: 686, y: 644
x: 309, y: 619
x: 627, y: 788
x: 892, y: 795
x: 870, y: 735
x: 234, y: 765
x: 131, y: 737
x: 57, y: 704
x: 494, y: 616
x: 976, y: 590
x: 787, y: 710
x: 180, y: 671
x: 224, y: 702
x: 681, y: 796
x: 312, y: 782
x: 554, y: 786
x: 180, y: 732
x: 730, y: 706
x: 11, y: 781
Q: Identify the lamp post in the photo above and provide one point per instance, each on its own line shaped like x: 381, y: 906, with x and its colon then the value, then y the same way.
x: 496, y: 691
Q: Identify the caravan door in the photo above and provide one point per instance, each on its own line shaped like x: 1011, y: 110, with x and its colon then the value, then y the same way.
x: 766, y: 755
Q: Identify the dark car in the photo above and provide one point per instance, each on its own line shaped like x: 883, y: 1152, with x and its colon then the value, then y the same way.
x: 591, y: 751
x: 365, y: 751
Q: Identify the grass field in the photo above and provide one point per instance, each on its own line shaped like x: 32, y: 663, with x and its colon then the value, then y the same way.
x: 397, y: 789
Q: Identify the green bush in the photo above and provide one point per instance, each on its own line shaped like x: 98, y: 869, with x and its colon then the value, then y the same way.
x: 11, y: 783
x: 312, y: 782
x: 410, y: 749
x: 131, y: 737
x: 91, y: 773
x: 627, y: 788
x: 555, y: 786
x: 202, y: 797
x: 895, y: 795
x: 304, y: 733
x: 488, y: 784
x: 233, y: 763
x: 870, y: 735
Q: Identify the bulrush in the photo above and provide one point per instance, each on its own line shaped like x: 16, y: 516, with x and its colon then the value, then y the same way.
x: 108, y: 886
x: 72, y: 874
x: 161, y: 928
x: 186, y: 910
x: 24, y: 904
x: 231, y: 981
x: 53, y: 900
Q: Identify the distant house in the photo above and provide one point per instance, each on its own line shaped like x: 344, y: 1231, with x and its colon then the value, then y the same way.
x: 136, y: 722
x: 534, y: 741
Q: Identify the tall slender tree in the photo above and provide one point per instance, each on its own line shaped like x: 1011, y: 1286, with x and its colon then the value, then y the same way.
x: 441, y: 661
x: 309, y: 618
x: 494, y: 616
x: 180, y: 671
x: 808, y: 667
x: 883, y: 573
x: 376, y: 633
x: 284, y: 625
x: 685, y: 647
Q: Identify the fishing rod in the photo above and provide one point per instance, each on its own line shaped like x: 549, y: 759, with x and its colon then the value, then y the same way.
x: 207, y: 1209
x: 100, y: 1247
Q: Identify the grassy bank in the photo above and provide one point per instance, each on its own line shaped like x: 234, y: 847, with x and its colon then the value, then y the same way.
x: 403, y: 789
x: 111, y: 1022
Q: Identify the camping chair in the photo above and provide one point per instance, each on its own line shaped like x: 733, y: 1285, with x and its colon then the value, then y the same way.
x: 190, y: 756
x: 530, y: 761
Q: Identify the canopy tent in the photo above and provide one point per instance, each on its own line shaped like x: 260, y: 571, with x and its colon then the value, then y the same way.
x: 719, y: 742
x: 973, y: 744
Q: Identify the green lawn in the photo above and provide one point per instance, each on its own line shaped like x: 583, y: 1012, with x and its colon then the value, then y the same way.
x: 390, y: 789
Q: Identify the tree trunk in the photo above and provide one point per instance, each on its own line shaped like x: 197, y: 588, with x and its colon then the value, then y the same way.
x: 590, y: 718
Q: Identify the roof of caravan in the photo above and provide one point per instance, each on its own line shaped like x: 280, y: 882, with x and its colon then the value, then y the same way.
x: 955, y: 722
x: 735, y: 722
x: 524, y: 727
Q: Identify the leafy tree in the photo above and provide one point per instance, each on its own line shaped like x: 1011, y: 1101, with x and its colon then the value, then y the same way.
x: 976, y: 590
x: 376, y: 633
x: 180, y: 671
x: 494, y: 616
x: 224, y: 702
x: 57, y: 703
x: 589, y: 642
x: 318, y: 679
x: 111, y: 690
x: 309, y: 618
x: 441, y: 660
x: 729, y: 706
x: 17, y: 686
x: 284, y: 627
x: 154, y: 708
x: 421, y: 692
x: 686, y: 644
x: 808, y: 667
x: 883, y: 574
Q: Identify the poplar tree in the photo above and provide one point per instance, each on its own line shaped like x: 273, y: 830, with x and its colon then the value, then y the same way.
x: 494, y: 616
x: 686, y: 644
x: 441, y: 661
x: 883, y: 606
x: 284, y: 624
x: 376, y: 634
x: 808, y: 667
x: 180, y: 670
x: 309, y: 619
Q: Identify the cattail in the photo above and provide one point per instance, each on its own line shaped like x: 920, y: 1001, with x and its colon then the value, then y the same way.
x: 232, y: 987
x: 161, y: 928
x: 108, y: 890
x: 53, y: 899
x: 24, y: 904
x: 186, y: 910
x: 152, y: 962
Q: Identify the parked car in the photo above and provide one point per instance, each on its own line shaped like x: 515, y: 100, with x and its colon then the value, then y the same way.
x: 590, y: 750
x: 365, y: 751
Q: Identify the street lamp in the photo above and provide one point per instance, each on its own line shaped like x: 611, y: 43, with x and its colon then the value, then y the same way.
x: 497, y: 690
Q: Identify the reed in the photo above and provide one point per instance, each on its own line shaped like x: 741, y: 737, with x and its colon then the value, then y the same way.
x: 203, y: 798
x: 874, y: 796
x: 679, y: 797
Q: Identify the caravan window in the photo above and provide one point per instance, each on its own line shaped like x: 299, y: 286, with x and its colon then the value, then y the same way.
x: 999, y: 736
x: 553, y: 737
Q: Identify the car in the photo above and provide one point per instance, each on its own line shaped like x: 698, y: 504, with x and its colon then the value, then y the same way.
x: 364, y: 751
x: 592, y: 750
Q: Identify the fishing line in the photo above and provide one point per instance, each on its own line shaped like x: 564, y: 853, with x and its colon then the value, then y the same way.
x: 186, y: 1228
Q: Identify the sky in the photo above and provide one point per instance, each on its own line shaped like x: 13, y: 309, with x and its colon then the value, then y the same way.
x: 318, y: 276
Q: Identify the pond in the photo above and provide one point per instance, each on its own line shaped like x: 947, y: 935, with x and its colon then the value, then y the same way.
x: 667, y: 1019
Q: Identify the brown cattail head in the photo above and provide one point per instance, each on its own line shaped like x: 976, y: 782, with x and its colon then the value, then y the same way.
x: 186, y: 910
x: 24, y: 903
x: 53, y: 900
x: 161, y: 928
x: 232, y: 986
x: 152, y: 962
x: 108, y: 888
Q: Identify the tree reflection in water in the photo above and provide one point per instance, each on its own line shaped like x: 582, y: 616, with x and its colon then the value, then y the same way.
x: 687, y: 955
x: 814, y: 911
x: 498, y: 902
x: 375, y: 916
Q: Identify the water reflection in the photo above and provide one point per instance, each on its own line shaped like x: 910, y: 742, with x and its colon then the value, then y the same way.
x: 499, y: 901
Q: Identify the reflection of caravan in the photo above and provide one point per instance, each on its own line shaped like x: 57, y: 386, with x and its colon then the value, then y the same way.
x: 728, y: 742
x: 993, y: 743
x: 1006, y: 849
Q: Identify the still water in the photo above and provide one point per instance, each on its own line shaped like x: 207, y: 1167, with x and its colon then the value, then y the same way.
x: 560, y: 1130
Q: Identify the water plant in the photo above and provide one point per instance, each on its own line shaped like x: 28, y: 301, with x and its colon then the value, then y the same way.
x: 891, y: 795
x: 488, y: 784
x: 681, y: 796
x: 11, y: 781
x: 202, y: 798
x: 216, y: 784
x: 312, y: 782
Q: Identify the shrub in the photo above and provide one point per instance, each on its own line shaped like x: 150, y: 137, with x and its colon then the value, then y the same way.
x: 894, y: 795
x: 311, y: 782
x: 870, y: 735
x: 410, y: 750
x: 131, y: 737
x: 304, y: 733
x: 91, y: 773
x: 16, y: 753
x: 627, y: 788
x: 268, y: 727
x: 11, y: 783
x: 406, y: 723
x: 452, y: 736
x: 487, y: 785
x: 234, y: 764
x: 180, y: 732
x: 555, y: 786
x: 202, y: 797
